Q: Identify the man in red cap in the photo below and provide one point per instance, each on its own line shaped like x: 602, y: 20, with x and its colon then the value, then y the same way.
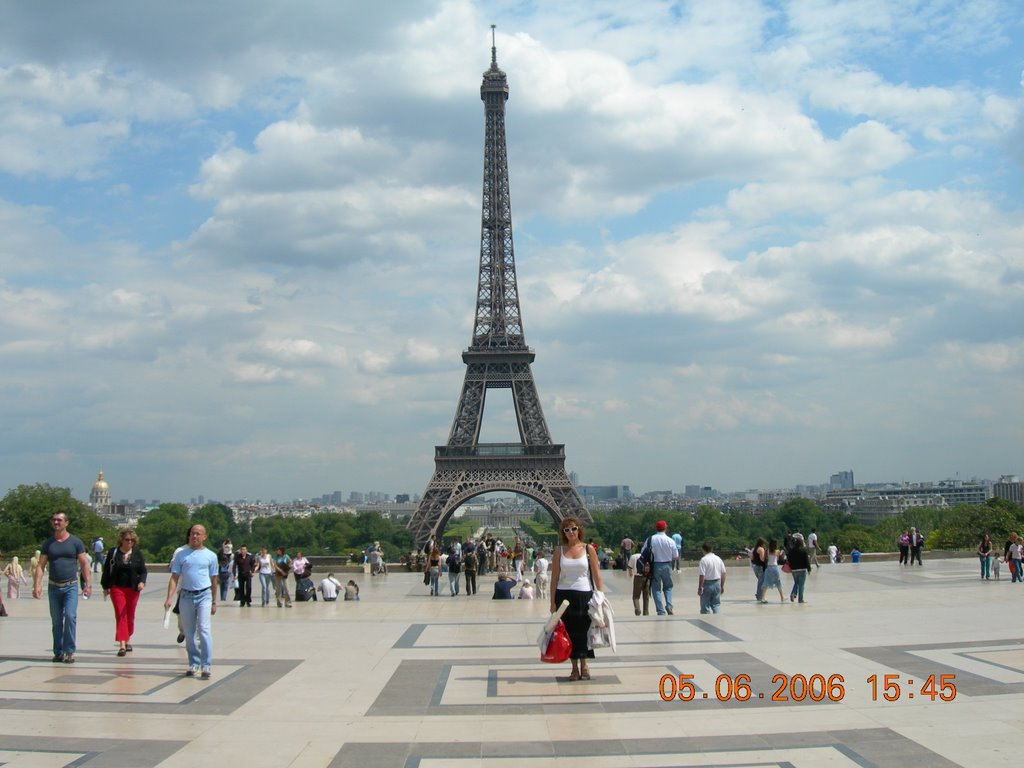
x: 662, y: 551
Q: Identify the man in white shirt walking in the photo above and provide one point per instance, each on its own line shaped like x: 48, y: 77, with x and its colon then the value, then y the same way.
x: 812, y: 547
x: 710, y: 580
x: 662, y: 554
x: 541, y: 577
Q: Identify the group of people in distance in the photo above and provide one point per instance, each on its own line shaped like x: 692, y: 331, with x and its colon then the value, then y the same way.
x: 651, y: 566
x: 910, y: 543
x: 768, y: 560
x: 472, y: 558
x: 1013, y: 556
x: 237, y: 569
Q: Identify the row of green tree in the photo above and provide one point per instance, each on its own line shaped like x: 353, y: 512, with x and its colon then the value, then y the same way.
x: 26, y: 510
x: 959, y: 527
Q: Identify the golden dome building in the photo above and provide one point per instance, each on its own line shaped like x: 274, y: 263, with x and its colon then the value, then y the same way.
x: 99, y: 498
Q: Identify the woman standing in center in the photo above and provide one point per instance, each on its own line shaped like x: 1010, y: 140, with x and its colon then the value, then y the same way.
x: 123, y: 579
x: 575, y: 574
x: 266, y: 576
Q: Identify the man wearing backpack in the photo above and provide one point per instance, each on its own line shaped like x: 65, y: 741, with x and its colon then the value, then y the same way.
x: 661, y: 551
x: 640, y: 574
x: 470, y: 563
x: 282, y: 567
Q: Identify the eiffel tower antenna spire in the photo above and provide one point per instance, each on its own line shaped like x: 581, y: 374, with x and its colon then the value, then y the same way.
x: 497, y: 358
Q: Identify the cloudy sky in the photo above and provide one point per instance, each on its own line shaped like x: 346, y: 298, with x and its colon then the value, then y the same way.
x: 757, y: 242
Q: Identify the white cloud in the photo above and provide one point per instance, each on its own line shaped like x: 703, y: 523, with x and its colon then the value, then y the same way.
x: 741, y: 229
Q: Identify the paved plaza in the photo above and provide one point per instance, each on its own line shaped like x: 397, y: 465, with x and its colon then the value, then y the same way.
x: 401, y: 679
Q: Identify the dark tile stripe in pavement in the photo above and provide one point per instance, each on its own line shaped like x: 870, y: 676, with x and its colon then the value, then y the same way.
x: 411, y: 637
x: 905, y: 659
x: 865, y: 747
x: 221, y: 696
x: 417, y: 687
x: 96, y: 753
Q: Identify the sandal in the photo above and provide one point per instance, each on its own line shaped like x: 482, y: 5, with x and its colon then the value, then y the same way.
x: 585, y: 673
x: 575, y: 675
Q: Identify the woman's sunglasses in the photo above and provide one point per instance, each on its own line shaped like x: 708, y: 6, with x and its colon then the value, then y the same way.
x: 573, y: 529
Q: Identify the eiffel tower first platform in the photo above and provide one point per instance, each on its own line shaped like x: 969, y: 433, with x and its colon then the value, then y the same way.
x: 497, y: 358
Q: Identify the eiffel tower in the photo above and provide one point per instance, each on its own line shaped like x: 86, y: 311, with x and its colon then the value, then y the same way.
x: 497, y: 358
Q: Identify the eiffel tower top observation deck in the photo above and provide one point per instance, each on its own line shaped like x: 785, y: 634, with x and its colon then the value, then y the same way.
x: 497, y: 358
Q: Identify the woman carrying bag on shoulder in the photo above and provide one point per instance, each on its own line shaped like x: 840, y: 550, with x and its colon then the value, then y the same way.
x: 575, y: 575
x: 123, y: 579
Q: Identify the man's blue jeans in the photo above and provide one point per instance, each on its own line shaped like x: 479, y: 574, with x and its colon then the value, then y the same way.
x: 194, y: 610
x: 64, y: 617
x: 711, y: 597
x: 453, y: 582
x: 661, y: 581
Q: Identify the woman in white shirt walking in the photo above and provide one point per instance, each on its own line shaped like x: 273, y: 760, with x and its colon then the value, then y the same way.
x: 575, y: 575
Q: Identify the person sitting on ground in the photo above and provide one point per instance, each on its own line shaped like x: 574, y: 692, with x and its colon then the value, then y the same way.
x: 329, y: 588
x: 351, y: 590
x: 526, y: 591
x: 503, y: 587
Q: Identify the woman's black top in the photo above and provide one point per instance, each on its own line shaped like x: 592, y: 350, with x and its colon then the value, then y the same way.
x: 798, y: 559
x: 119, y: 571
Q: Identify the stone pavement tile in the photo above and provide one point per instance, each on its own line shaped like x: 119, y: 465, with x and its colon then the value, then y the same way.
x: 400, y: 679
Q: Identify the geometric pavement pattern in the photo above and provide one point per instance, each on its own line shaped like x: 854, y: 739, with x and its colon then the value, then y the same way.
x: 402, y: 679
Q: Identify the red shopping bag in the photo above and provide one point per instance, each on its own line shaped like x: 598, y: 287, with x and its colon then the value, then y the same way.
x: 559, y: 646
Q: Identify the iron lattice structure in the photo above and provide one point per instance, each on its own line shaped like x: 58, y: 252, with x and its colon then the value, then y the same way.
x: 497, y: 357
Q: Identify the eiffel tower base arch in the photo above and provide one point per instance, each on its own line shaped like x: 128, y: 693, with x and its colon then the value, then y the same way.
x: 456, y: 480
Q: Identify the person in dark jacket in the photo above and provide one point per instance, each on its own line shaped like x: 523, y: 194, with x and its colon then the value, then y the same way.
x: 245, y: 565
x: 123, y: 579
x: 800, y: 564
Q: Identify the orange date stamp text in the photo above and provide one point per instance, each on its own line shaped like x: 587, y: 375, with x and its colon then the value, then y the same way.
x: 799, y: 688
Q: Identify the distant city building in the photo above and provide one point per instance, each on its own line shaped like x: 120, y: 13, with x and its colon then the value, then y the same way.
x: 769, y: 499
x: 1009, y: 488
x: 841, y: 481
x: 692, y: 492
x: 870, y: 505
x: 99, y: 497
x: 604, y: 492
x: 501, y: 513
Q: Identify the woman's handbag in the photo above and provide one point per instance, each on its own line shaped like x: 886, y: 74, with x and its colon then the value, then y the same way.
x: 559, y: 645
x: 786, y: 568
